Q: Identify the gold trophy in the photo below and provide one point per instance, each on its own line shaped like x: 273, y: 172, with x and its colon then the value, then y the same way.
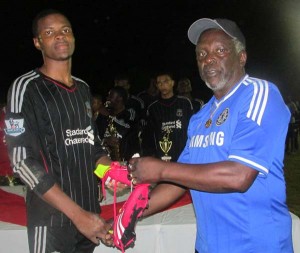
x: 166, y: 144
x: 10, y: 179
x: 115, y: 149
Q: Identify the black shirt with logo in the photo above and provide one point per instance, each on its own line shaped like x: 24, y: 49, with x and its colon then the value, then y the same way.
x: 52, y: 138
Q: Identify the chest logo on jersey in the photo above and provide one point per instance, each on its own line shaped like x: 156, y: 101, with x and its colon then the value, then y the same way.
x: 88, y: 109
x: 14, y: 127
x: 79, y: 136
x: 222, y: 117
x: 171, y: 125
x: 179, y: 113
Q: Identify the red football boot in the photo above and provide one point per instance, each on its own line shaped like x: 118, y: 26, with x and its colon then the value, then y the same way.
x: 115, y: 171
x: 125, y: 222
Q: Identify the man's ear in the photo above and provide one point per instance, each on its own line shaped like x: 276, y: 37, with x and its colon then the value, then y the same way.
x: 173, y: 83
x: 243, y: 58
x: 36, y: 42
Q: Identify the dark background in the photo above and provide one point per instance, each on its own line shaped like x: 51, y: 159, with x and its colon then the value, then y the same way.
x: 138, y: 37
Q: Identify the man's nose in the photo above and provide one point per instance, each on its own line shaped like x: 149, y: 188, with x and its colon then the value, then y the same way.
x: 59, y: 35
x: 209, y: 59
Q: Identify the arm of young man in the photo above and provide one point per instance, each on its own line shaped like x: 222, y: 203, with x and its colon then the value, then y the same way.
x: 91, y: 225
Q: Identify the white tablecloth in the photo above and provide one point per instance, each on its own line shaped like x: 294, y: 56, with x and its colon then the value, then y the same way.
x: 170, y: 231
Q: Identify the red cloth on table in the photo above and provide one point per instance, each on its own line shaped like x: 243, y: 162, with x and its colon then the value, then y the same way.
x: 12, y: 208
x: 5, y: 168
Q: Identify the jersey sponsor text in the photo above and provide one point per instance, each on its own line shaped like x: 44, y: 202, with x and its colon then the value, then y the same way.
x: 203, y: 141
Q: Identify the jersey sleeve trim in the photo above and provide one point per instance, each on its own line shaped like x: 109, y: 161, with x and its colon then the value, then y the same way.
x: 19, y: 158
x: 20, y: 167
x: 18, y: 90
x: 262, y: 170
x: 259, y: 100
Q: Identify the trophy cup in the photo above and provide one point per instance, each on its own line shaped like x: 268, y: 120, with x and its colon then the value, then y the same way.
x: 10, y: 179
x: 166, y: 144
x: 114, y: 149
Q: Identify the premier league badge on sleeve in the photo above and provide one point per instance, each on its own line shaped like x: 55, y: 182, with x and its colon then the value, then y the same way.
x: 14, y: 127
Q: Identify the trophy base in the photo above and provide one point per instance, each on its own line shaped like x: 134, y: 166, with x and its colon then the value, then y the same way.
x: 166, y: 158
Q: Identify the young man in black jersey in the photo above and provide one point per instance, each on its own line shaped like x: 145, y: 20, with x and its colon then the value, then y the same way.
x: 53, y: 145
x: 167, y: 119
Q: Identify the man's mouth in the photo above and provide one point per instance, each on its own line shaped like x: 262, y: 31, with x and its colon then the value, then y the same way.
x: 61, y: 45
x: 210, y: 72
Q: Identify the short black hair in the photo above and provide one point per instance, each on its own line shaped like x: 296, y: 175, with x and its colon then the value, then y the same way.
x: 121, y: 92
x: 122, y: 76
x: 165, y: 73
x: 42, y: 14
x: 97, y: 96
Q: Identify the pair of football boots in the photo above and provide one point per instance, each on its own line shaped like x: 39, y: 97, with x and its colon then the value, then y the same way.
x: 125, y: 220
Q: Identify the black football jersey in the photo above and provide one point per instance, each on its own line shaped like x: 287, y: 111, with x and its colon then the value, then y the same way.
x: 52, y: 138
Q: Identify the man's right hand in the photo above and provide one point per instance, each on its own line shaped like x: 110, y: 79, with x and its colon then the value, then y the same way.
x: 93, y: 227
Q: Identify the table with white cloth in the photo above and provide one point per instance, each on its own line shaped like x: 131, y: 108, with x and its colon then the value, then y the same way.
x: 173, y: 231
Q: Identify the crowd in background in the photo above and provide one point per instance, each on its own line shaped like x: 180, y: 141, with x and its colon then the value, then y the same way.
x: 153, y: 122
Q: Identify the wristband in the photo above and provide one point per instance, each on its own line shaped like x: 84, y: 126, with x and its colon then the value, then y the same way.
x: 101, y: 170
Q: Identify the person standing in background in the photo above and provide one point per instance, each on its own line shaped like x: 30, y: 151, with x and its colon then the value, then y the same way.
x: 184, y: 88
x: 167, y: 119
x: 150, y: 94
x: 98, y: 107
x: 118, y: 132
x: 134, y: 104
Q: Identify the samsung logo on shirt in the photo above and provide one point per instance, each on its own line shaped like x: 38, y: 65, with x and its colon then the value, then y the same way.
x: 203, y: 141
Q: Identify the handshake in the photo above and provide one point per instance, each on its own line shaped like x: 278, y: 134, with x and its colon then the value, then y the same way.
x: 125, y: 221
